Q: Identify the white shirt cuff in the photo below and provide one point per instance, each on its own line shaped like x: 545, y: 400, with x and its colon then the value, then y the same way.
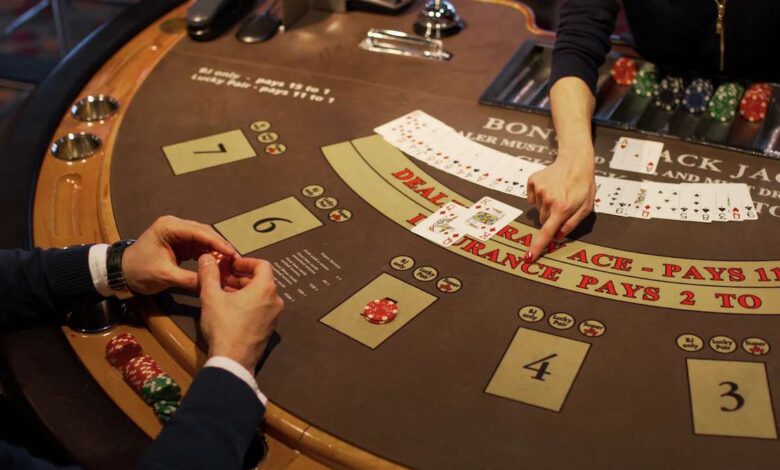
x: 239, y: 371
x: 97, y: 268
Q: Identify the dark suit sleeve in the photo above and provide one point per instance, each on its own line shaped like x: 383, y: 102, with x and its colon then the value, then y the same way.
x: 38, y: 286
x: 213, y: 427
x: 582, y: 41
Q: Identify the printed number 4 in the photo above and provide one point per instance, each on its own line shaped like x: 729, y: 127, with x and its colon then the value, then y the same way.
x: 541, y: 370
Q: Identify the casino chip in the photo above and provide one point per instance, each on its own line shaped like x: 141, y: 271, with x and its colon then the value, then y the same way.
x: 723, y: 105
x: 140, y: 369
x: 755, y: 102
x: 121, y: 348
x: 753, y: 107
x: 160, y: 388
x: 697, y: 95
x: 624, y: 71
x: 380, y: 311
x: 164, y: 409
x: 646, y: 80
x: 764, y: 89
x: 668, y: 94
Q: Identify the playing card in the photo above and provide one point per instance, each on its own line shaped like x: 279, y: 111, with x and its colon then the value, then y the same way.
x: 615, y: 196
x: 499, y: 173
x: 741, y: 205
x: 664, y: 199
x: 442, y: 227
x: 636, y: 155
x: 697, y: 202
x: 486, y: 217
x: 412, y: 130
x: 516, y: 177
x: 640, y: 207
x: 490, y: 170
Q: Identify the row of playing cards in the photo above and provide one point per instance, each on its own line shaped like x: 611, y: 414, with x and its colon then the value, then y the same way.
x: 481, y: 221
x: 439, y: 145
x: 694, y: 202
x: 435, y: 143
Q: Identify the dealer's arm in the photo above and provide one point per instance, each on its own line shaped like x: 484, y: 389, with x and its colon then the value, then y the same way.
x: 564, y: 191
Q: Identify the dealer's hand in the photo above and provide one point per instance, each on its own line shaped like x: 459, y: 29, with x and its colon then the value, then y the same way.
x: 238, y: 319
x: 563, y: 193
x: 151, y: 264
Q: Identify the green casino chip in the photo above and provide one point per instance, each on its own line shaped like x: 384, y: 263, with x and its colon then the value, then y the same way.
x: 164, y: 409
x: 161, y: 388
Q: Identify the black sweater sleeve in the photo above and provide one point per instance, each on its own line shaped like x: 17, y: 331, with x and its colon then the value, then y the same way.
x: 212, y: 428
x: 38, y: 286
x: 582, y: 41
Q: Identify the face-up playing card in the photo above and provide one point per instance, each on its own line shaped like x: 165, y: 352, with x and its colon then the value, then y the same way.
x: 640, y: 207
x: 615, y: 196
x: 486, y: 217
x: 740, y: 202
x: 409, y: 132
x: 639, y: 156
x: 516, y: 177
x: 442, y: 227
x: 697, y: 202
x: 664, y: 199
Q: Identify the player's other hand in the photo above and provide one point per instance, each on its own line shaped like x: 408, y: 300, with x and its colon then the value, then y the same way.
x: 151, y: 264
x: 563, y: 193
x: 238, y: 318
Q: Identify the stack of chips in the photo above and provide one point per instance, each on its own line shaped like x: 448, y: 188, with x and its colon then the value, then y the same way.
x: 144, y: 375
x: 668, y: 94
x: 624, y: 71
x: 646, y: 80
x: 697, y: 95
x: 723, y: 105
x: 755, y: 102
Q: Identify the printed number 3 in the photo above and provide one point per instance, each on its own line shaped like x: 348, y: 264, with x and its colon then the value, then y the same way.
x: 739, y: 399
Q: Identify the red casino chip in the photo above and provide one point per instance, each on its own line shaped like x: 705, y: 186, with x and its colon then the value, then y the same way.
x: 380, y: 311
x: 140, y: 369
x: 753, y: 107
x: 764, y: 89
x: 225, y: 264
x: 624, y: 71
x: 121, y: 349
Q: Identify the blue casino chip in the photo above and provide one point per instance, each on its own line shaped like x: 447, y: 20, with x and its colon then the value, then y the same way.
x: 697, y: 95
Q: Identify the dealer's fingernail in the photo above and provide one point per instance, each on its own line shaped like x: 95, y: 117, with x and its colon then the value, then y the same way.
x: 528, y: 257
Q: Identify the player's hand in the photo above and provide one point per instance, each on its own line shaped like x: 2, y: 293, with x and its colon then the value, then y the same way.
x: 238, y: 319
x: 563, y: 193
x: 151, y: 264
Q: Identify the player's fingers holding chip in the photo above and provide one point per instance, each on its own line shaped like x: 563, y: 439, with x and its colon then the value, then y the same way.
x: 190, y: 239
x: 209, y: 277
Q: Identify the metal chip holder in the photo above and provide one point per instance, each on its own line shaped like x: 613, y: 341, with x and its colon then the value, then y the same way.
x: 388, y: 41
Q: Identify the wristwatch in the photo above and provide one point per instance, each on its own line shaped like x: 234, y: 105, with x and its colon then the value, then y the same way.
x: 116, y: 278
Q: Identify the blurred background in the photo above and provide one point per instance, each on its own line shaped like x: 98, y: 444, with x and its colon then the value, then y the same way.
x: 36, y: 34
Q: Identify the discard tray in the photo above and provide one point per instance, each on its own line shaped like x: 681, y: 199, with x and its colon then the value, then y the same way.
x: 523, y: 84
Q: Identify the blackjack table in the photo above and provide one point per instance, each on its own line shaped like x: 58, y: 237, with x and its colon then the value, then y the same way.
x: 631, y: 344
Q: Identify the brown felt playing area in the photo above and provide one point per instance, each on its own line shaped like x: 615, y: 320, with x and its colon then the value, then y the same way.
x: 604, y: 354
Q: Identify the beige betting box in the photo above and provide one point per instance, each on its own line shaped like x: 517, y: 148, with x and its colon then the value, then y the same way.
x: 538, y: 369
x: 731, y: 398
x: 205, y: 152
x: 347, y: 317
x: 267, y: 225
